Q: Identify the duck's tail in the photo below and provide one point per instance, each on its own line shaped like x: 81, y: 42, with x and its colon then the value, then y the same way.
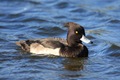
x: 25, y: 45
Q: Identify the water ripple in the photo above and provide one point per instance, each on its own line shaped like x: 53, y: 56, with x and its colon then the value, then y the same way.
x: 34, y: 19
x: 28, y: 19
x: 62, y: 5
x: 13, y: 8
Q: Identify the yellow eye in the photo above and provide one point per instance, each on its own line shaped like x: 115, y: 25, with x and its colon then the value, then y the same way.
x: 76, y: 32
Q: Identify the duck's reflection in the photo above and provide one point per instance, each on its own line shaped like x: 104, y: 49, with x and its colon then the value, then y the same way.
x: 74, y: 64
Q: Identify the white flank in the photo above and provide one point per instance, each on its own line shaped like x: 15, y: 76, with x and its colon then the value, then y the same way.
x: 39, y: 49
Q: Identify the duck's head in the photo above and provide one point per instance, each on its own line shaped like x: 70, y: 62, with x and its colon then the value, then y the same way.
x: 76, y: 34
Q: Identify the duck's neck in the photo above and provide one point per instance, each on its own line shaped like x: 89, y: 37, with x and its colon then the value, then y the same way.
x: 73, y: 43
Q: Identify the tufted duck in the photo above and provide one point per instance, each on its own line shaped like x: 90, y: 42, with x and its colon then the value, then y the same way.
x: 72, y: 47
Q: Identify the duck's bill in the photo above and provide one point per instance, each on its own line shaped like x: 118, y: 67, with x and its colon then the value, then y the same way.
x: 85, y: 40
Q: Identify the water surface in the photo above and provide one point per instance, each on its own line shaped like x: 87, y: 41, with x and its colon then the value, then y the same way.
x: 29, y: 19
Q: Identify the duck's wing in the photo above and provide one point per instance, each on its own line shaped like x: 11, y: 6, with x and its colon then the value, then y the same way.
x: 37, y: 45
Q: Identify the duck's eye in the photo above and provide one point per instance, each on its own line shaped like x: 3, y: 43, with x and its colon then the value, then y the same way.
x: 76, y: 32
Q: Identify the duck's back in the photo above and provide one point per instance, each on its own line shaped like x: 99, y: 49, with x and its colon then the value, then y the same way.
x: 43, y: 46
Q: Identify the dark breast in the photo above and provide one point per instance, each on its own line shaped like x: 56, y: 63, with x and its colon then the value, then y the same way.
x: 78, y: 51
x: 84, y: 52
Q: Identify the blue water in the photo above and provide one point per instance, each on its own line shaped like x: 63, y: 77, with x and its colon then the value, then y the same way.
x: 29, y: 19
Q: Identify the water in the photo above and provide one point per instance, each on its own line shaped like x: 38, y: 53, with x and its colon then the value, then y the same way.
x: 28, y: 19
